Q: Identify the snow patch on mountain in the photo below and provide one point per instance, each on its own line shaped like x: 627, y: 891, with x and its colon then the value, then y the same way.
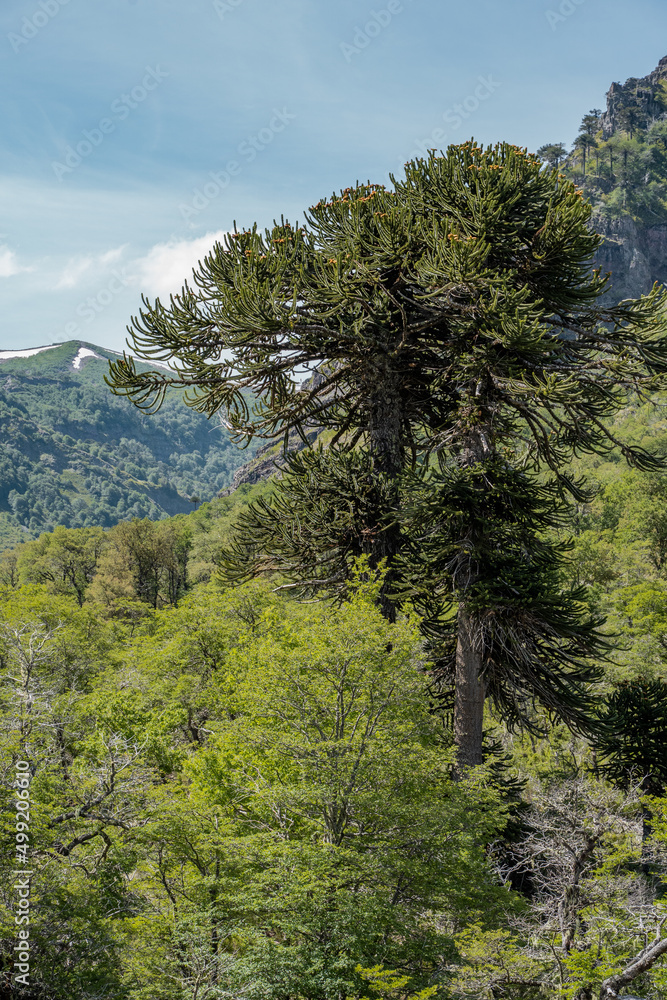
x: 9, y: 355
x: 82, y: 353
x: 85, y: 353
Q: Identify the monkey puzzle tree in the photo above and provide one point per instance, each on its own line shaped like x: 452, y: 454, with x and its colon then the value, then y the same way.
x: 535, y: 366
x: 632, y: 746
x: 330, y: 299
x: 456, y: 319
x: 481, y: 568
x: 632, y: 743
x: 552, y: 153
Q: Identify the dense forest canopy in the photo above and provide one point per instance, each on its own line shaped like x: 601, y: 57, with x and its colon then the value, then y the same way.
x: 196, y: 828
x: 235, y: 792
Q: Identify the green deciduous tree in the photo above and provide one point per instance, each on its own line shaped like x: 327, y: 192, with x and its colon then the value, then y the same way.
x: 65, y: 559
x: 81, y: 793
x: 318, y: 827
x: 143, y: 560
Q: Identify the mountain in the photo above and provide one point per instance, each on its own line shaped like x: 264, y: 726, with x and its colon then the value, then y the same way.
x: 620, y: 161
x: 73, y: 454
x: 643, y: 98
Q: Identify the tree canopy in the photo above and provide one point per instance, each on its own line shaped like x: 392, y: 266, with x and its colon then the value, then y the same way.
x: 453, y: 320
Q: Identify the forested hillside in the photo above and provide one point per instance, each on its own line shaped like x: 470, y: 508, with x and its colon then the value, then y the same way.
x: 72, y: 454
x: 392, y: 725
x: 192, y: 834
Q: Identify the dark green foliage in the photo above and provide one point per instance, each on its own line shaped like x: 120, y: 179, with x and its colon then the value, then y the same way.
x: 384, y: 291
x: 632, y: 744
x: 480, y: 534
x: 532, y: 356
x: 325, y: 511
x: 471, y: 289
x: 71, y: 454
x: 552, y: 153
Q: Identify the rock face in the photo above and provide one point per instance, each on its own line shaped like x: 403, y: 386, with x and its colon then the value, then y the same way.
x: 635, y: 255
x: 268, y: 461
x: 262, y: 467
x: 642, y: 94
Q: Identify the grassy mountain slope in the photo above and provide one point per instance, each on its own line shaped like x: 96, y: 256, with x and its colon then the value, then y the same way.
x: 73, y: 454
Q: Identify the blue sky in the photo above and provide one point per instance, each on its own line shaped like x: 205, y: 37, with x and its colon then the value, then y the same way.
x: 134, y: 131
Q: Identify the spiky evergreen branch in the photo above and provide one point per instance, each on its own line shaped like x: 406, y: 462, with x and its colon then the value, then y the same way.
x: 475, y: 267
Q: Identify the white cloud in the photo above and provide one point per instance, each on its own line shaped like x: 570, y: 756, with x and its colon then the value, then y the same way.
x: 73, y: 272
x: 167, y: 265
x: 81, y: 267
x: 111, y: 256
x: 8, y: 264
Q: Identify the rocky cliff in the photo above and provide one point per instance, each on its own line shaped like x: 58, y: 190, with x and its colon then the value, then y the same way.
x: 635, y: 254
x: 642, y: 96
x: 635, y: 248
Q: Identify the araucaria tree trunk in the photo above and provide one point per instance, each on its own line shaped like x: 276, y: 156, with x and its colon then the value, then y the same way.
x: 469, y: 687
x: 469, y: 692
